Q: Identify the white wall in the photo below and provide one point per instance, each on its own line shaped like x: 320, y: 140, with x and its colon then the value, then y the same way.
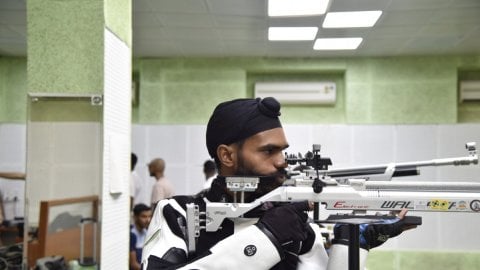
x: 64, y: 161
x: 183, y: 148
x: 13, y: 159
x: 372, y: 144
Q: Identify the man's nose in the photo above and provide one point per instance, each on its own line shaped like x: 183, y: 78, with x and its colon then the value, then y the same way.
x: 280, y: 162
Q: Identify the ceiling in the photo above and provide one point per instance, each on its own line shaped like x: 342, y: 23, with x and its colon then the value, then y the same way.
x: 223, y: 28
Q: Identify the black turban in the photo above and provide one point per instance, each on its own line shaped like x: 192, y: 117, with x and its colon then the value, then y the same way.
x: 238, y: 119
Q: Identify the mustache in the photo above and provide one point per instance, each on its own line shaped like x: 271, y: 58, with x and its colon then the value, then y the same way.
x: 280, y: 174
x: 270, y: 182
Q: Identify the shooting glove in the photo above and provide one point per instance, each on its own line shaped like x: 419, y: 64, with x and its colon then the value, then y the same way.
x: 287, y: 228
x: 371, y: 235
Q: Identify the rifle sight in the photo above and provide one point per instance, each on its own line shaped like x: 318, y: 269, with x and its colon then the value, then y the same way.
x: 312, y: 159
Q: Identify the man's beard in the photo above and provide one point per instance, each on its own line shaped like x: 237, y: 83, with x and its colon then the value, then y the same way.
x: 266, y: 184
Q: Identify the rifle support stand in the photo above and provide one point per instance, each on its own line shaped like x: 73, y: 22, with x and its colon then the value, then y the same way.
x: 354, y: 247
x: 354, y: 235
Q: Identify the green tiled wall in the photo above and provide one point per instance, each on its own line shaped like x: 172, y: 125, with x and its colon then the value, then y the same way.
x: 399, y: 90
x: 59, y: 59
x: 118, y: 18
x: 13, y: 90
x: 410, y: 260
x: 402, y: 90
x: 184, y: 95
x: 389, y: 90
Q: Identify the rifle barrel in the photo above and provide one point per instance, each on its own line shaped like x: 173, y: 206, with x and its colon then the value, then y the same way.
x: 405, y: 170
x: 468, y: 187
x: 399, y: 169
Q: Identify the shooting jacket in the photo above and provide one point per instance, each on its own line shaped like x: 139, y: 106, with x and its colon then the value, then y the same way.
x: 237, y: 244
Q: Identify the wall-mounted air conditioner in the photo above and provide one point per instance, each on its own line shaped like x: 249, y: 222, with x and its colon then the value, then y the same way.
x: 469, y: 91
x: 298, y: 92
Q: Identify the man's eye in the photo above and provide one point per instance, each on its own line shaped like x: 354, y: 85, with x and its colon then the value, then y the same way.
x: 268, y: 151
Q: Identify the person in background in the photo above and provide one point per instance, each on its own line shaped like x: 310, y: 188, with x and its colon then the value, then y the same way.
x: 210, y: 171
x: 163, y: 188
x: 133, y: 178
x: 245, y: 138
x: 140, y: 188
x: 142, y: 215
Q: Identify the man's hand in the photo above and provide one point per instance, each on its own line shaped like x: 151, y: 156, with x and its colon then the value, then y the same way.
x: 375, y: 234
x: 401, y: 215
x: 287, y: 225
x: 287, y: 222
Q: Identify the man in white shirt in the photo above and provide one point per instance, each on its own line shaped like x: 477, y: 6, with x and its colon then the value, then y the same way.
x: 140, y: 188
x: 163, y: 188
x: 210, y: 171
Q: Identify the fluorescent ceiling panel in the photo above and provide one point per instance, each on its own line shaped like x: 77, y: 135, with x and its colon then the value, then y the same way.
x: 279, y: 8
x: 351, y: 19
x: 337, y: 43
x: 292, y: 33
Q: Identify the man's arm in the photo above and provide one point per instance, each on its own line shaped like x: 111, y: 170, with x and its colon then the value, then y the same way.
x: 249, y: 248
x: 13, y: 175
x: 132, y: 256
x: 317, y: 257
x: 133, y: 261
x: 338, y: 258
x: 165, y: 246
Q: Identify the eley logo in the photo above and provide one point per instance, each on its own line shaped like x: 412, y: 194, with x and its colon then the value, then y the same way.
x: 349, y: 205
x: 396, y: 205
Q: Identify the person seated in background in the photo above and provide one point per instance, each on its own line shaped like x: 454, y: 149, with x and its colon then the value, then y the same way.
x: 210, y: 171
x: 245, y: 138
x: 142, y: 215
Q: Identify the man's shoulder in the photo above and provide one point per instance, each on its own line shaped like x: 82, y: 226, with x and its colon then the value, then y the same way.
x: 183, y: 200
x: 133, y: 233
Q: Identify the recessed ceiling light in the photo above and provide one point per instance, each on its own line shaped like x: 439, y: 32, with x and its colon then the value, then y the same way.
x: 351, y: 19
x: 292, y: 33
x: 277, y: 8
x: 337, y: 43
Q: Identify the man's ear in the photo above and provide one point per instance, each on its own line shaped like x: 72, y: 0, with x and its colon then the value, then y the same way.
x: 227, y: 155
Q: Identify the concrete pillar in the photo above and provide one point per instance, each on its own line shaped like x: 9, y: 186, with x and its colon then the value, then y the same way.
x: 83, y: 49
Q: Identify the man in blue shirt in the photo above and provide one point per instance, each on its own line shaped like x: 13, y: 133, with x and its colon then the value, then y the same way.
x: 142, y: 215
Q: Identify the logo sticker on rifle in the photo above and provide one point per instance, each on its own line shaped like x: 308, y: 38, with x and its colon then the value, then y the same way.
x: 475, y: 205
x: 440, y: 205
x: 462, y: 205
x: 349, y: 205
x: 396, y: 205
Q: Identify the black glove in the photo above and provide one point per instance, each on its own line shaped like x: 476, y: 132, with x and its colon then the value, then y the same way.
x: 287, y: 228
x: 287, y: 222
x: 371, y: 235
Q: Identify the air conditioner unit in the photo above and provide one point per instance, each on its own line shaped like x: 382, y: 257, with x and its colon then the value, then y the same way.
x: 298, y: 92
x: 469, y: 91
